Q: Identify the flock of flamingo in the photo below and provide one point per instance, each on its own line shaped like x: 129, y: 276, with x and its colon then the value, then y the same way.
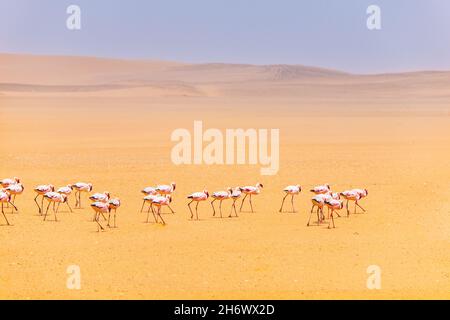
x: 161, y: 196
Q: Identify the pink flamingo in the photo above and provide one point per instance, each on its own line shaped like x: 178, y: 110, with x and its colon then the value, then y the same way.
x: 15, y: 190
x: 5, y: 183
x: 220, y: 196
x: 351, y: 195
x: 100, y: 197
x: 362, y: 194
x: 100, y: 208
x: 79, y: 188
x: 114, y: 204
x: 292, y: 191
x: 55, y: 197
x: 321, y: 189
x: 334, y: 205
x: 166, y: 189
x: 198, y: 197
x: 5, y: 197
x: 148, y: 191
x: 149, y: 199
x: 159, y: 202
x: 41, y: 191
x: 317, y: 201
x: 250, y: 191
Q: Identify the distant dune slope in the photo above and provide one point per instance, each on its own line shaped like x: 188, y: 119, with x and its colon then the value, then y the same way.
x: 23, y: 74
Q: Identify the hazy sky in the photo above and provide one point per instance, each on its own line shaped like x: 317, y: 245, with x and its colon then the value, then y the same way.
x: 415, y: 34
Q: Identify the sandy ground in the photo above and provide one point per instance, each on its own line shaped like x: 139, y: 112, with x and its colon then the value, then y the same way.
x: 390, y: 136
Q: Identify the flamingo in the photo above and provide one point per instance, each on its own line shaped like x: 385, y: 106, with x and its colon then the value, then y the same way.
x: 334, y: 205
x: 166, y: 189
x: 15, y: 190
x: 5, y: 197
x: 41, y: 191
x: 149, y: 199
x: 67, y: 190
x: 80, y: 187
x: 100, y: 208
x: 317, y: 201
x: 159, y: 202
x: 100, y: 197
x: 235, y: 195
x: 55, y: 197
x: 321, y: 189
x: 351, y: 195
x: 114, y: 204
x: 197, y: 196
x: 220, y: 196
x: 293, y: 191
x: 362, y: 194
x: 149, y: 190
x: 250, y: 190
x: 5, y: 183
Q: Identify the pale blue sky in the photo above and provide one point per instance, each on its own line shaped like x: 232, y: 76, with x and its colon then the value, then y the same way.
x: 415, y: 34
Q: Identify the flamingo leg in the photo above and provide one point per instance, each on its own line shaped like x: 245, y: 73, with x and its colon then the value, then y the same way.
x: 196, y: 210
x: 6, y: 219
x: 332, y: 219
x: 357, y: 204
x: 282, y: 202
x: 312, y: 210
x: 292, y: 202
x: 242, y: 203
x: 214, y: 210
x: 346, y: 207
x: 189, y: 205
x: 99, y: 226
x: 250, y: 200
x: 154, y: 213
x: 37, y: 203
x: 69, y: 206
x: 159, y: 215
x: 42, y: 203
x: 173, y: 212
x: 143, y: 203
x: 46, y: 212
x: 220, y: 208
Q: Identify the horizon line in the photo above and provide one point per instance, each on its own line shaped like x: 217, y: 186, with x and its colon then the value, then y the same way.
x: 131, y: 59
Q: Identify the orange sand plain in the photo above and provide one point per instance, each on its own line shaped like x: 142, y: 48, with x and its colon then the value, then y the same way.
x: 68, y: 119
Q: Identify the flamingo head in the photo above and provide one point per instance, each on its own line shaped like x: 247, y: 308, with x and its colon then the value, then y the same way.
x: 328, y: 186
x: 174, y: 185
x: 259, y: 185
x: 65, y: 198
x: 89, y: 187
x: 299, y: 187
x: 17, y: 180
x: 169, y: 197
x: 206, y: 192
x: 230, y: 190
x: 52, y: 187
x: 367, y: 192
x: 70, y: 186
x: 107, y: 194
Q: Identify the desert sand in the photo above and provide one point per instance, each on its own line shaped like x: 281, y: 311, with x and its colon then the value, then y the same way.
x: 69, y: 119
